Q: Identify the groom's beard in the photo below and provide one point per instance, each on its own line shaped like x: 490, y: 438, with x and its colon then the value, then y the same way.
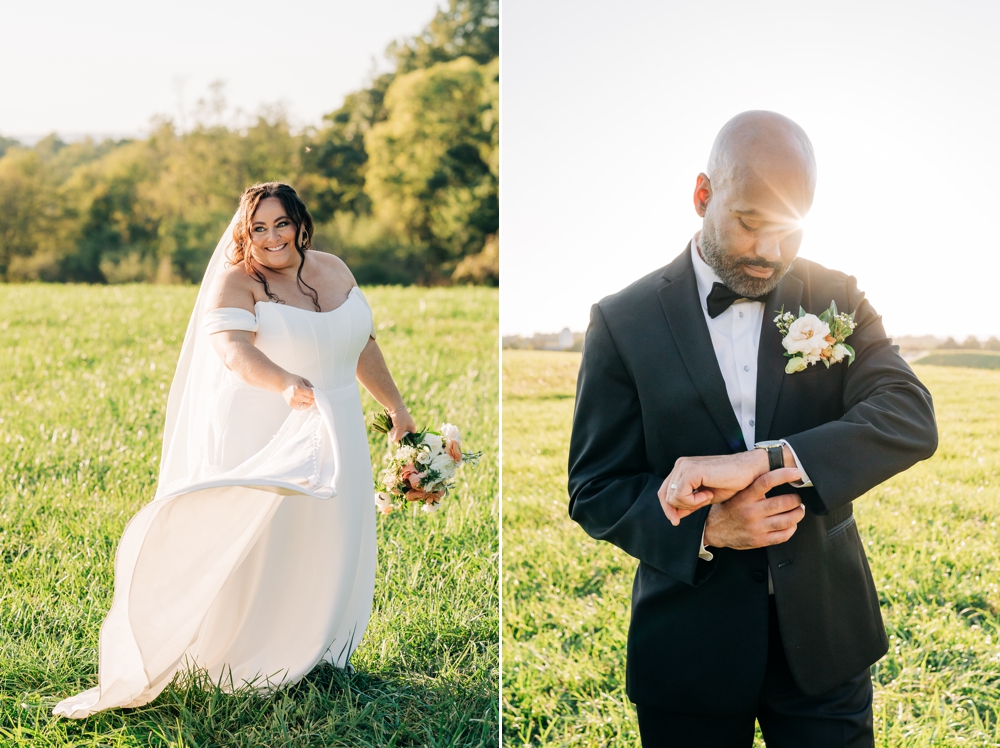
x: 730, y: 269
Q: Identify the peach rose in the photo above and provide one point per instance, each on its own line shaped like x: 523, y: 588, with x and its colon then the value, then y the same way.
x: 454, y: 450
x: 411, y: 475
x: 417, y: 495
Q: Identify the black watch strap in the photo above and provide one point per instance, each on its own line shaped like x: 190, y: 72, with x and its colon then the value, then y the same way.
x: 775, y: 457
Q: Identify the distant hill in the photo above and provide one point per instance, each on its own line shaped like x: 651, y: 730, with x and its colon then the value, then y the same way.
x: 913, y: 347
x: 963, y: 358
x: 566, y: 340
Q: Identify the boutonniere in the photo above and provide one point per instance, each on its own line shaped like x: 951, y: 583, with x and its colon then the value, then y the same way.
x: 809, y: 339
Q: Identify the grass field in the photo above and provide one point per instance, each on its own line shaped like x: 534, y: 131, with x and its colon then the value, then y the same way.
x: 932, y: 540
x: 84, y: 375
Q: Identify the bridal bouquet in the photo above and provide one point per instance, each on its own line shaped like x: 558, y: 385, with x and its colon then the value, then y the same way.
x: 809, y: 339
x: 421, y: 467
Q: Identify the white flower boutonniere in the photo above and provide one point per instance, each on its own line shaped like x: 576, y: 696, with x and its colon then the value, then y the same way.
x: 809, y: 339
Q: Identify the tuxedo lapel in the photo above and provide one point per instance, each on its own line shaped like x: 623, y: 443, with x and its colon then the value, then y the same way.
x: 770, y: 355
x: 682, y: 308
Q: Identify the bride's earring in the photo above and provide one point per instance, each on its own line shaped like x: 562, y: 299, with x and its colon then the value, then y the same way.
x: 303, y: 237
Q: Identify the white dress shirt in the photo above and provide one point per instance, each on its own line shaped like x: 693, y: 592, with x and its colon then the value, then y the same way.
x: 736, y: 338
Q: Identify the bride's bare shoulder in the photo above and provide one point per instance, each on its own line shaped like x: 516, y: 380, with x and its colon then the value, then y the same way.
x: 232, y: 288
x: 333, y: 267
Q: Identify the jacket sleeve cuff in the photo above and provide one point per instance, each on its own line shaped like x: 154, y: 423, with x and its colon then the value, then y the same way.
x: 704, y: 554
x: 804, y: 482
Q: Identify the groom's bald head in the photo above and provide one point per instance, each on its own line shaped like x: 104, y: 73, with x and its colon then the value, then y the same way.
x: 759, y: 186
x: 766, y: 147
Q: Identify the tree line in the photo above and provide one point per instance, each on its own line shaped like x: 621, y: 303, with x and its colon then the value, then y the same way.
x: 402, y: 179
x: 971, y: 343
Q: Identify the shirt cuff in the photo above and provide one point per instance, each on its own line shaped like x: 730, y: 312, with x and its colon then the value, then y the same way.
x: 704, y: 554
x: 805, y: 482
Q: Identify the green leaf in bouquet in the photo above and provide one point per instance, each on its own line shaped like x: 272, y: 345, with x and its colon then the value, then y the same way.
x: 833, y: 308
x: 802, y: 312
x: 850, y: 354
x: 382, y: 422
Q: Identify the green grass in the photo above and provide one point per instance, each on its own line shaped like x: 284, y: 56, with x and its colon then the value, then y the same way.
x: 973, y: 359
x: 84, y: 374
x: 932, y: 540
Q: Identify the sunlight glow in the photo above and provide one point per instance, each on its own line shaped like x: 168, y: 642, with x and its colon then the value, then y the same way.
x: 890, y: 94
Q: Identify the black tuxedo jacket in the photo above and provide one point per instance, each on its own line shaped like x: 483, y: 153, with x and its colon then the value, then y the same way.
x: 650, y: 391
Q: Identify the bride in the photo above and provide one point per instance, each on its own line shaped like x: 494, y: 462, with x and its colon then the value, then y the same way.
x: 256, y: 559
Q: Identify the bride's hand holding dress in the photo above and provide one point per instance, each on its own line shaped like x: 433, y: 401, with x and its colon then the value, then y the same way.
x: 236, y: 347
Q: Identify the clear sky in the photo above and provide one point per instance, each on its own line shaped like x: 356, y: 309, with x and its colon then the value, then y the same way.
x: 108, y: 66
x: 610, y: 110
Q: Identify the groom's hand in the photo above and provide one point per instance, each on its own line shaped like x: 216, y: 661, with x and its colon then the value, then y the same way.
x: 749, y: 520
x: 697, y: 481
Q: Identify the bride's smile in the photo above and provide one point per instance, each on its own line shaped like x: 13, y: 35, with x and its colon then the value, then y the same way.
x: 273, y: 236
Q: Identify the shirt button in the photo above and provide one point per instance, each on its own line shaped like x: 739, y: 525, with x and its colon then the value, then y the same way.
x: 751, y: 422
x: 746, y: 368
x: 741, y: 315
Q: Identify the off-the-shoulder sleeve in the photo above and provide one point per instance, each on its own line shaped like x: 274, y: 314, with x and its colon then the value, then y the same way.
x: 230, y: 318
x: 373, y: 335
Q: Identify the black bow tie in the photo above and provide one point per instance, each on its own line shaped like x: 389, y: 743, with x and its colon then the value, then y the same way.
x: 721, y: 297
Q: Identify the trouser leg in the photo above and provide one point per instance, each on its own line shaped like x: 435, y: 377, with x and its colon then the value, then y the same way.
x: 839, y: 718
x: 660, y: 728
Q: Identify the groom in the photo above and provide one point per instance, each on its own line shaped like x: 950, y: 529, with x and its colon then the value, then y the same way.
x: 753, y: 598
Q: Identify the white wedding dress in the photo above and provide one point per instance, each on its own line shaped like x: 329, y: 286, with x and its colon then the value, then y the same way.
x: 256, y: 559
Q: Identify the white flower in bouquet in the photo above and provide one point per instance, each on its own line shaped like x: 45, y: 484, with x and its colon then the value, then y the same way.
x: 406, y: 453
x: 807, y: 335
x: 445, y: 473
x: 383, y: 502
x: 451, y: 433
x: 839, y: 352
x: 433, y: 441
x: 443, y: 464
x: 430, y: 507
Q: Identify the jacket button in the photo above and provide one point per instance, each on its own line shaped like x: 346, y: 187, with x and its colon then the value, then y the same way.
x: 759, y: 576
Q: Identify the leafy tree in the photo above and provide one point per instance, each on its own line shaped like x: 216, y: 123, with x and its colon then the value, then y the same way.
x: 427, y: 175
x: 972, y: 343
x: 6, y: 144
x: 992, y: 344
x: 469, y: 28
x: 401, y: 179
x: 335, y: 158
x: 29, y: 221
x: 482, y: 268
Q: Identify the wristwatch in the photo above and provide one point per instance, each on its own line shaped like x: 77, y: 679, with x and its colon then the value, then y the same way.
x: 775, y: 453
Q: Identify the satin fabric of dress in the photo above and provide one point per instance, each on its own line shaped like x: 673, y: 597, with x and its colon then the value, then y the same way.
x: 264, y: 563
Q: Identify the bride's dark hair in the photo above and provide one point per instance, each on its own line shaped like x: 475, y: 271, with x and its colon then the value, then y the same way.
x: 296, y: 211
